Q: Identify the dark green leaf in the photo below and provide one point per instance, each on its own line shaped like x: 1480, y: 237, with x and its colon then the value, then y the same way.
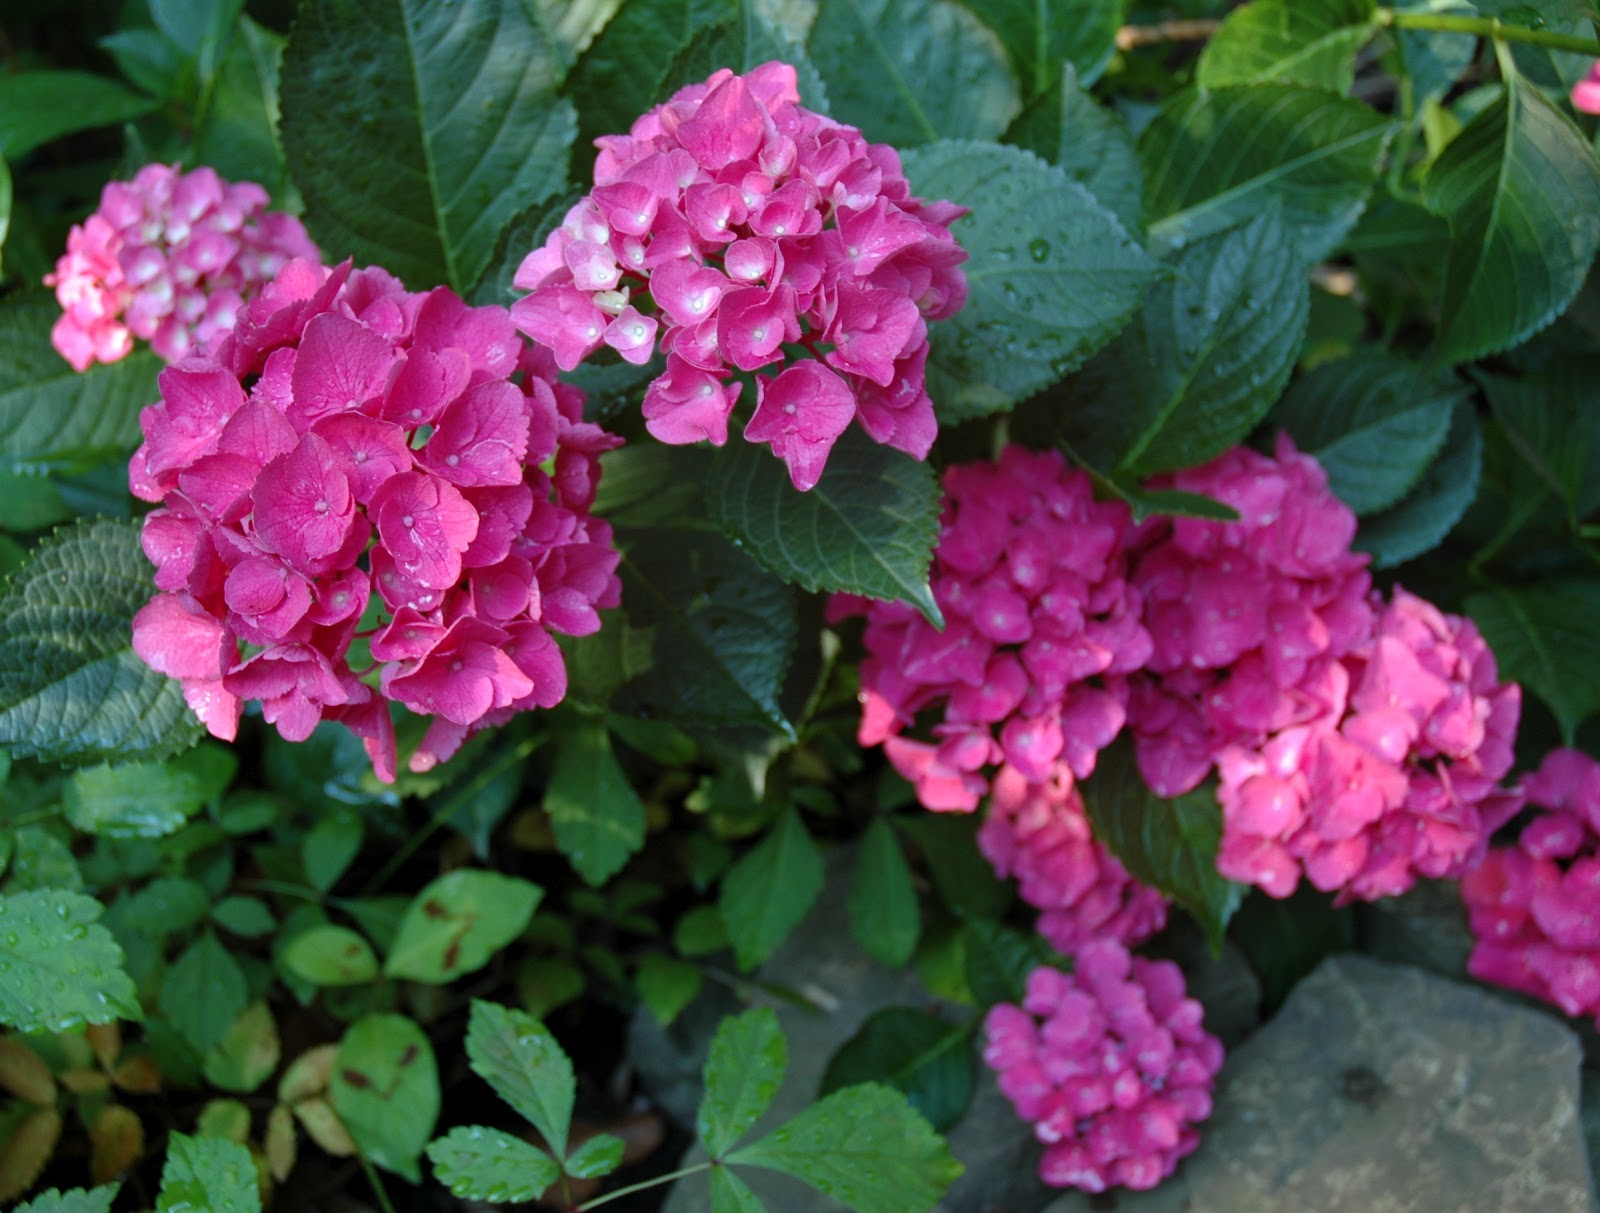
x: 477, y: 802
x: 1288, y: 40
x: 329, y: 955
x: 883, y: 902
x: 39, y: 106
x: 600, y: 1155
x: 458, y: 922
x: 78, y: 1200
x: 516, y: 1055
x: 1433, y: 60
x: 203, y: 992
x: 1069, y: 128
x: 7, y: 200
x: 1284, y: 939
x: 1431, y: 510
x: 700, y: 932
x: 61, y: 968
x: 477, y: 1163
x: 385, y: 1088
x: 329, y: 848
x: 743, y: 1072
x: 453, y: 105
x: 166, y: 905
x: 1042, y: 35
x: 598, y: 818
x: 999, y: 959
x: 1544, y: 637
x: 238, y: 136
x: 1550, y: 421
x: 766, y: 894
x: 571, y: 25
x: 745, y: 41
x: 666, y: 985
x: 1053, y: 276
x: 517, y: 239
x: 962, y: 876
x: 207, y: 1173
x: 247, y: 917
x: 927, y: 1058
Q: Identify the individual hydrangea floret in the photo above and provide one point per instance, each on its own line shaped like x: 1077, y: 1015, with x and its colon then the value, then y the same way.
x: 1111, y: 1064
x: 750, y: 239
x: 1533, y: 905
x: 1039, y: 833
x: 1041, y: 630
x: 167, y: 258
x: 369, y: 496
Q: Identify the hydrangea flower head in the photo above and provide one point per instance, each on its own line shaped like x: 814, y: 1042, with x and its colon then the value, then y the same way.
x: 749, y: 238
x: 1586, y: 93
x: 369, y: 496
x: 1111, y: 1064
x: 1041, y: 631
x: 167, y: 258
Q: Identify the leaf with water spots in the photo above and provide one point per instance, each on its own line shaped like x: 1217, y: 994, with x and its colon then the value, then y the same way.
x: 516, y: 1055
x: 59, y: 968
x: 742, y: 1074
x: 208, y: 1173
x: 478, y: 1163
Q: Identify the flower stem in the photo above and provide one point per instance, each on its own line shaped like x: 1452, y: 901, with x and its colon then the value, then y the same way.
x: 377, y: 1184
x: 640, y: 1187
x: 1487, y: 27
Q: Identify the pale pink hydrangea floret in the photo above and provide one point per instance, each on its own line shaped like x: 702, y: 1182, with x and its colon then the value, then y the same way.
x: 168, y: 258
x: 401, y: 469
x: 1039, y: 833
x: 731, y: 223
x: 1041, y: 631
x: 1112, y: 1065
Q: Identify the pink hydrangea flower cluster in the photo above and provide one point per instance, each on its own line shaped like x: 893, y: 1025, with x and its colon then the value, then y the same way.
x: 1041, y: 629
x: 737, y: 226
x: 369, y: 496
x: 167, y: 258
x: 1112, y: 1064
x: 1039, y: 833
x: 1586, y: 93
x: 1535, y: 906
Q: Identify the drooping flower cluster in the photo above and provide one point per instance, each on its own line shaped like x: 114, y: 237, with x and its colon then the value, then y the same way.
x: 1111, y: 1064
x: 739, y: 226
x: 363, y: 503
x: 1041, y: 628
x: 1039, y: 833
x: 168, y: 258
x: 1535, y: 906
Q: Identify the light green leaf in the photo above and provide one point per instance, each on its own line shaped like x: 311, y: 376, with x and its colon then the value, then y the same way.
x: 77, y: 1200
x: 477, y: 1163
x: 458, y: 922
x: 1213, y: 159
x: 385, y: 1088
x: 247, y: 917
x: 248, y: 1052
x: 600, y: 1155
x: 1042, y: 35
x: 165, y: 906
x: 666, y: 985
x: 1069, y: 128
x: 868, y: 527
x: 209, y: 1174
x: 1288, y: 40
x: 1053, y: 276
x: 71, y: 689
x: 329, y: 955
x: 571, y: 25
x: 866, y: 1147
x: 730, y: 1194
x: 766, y: 894
x: 60, y: 967
x: 884, y: 914
x: 1520, y: 188
x: 516, y: 1055
x: 135, y: 800
x: 1544, y: 637
x: 453, y: 105
x: 329, y: 847
x: 743, y: 1072
x: 1374, y: 421
x: 926, y: 1058
x: 1421, y: 520
x: 39, y: 106
x: 912, y: 71
x: 203, y: 992
x: 598, y: 818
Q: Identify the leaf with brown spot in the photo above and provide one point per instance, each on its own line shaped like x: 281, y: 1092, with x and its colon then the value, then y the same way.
x: 458, y: 922
x: 324, y: 1127
x: 138, y: 1075
x: 24, y: 1154
x: 116, y: 1142
x: 280, y: 1142
x: 308, y: 1074
x: 24, y: 1074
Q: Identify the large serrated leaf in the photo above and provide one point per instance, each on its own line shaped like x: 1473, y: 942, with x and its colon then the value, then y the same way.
x: 743, y: 1071
x: 572, y: 25
x: 1053, y: 276
x: 912, y: 71
x: 1214, y: 158
x: 598, y: 818
x: 208, y: 1173
x: 385, y: 1089
x: 1374, y: 421
x: 417, y: 129
x: 766, y: 894
x: 1042, y: 35
x: 1424, y: 516
x: 1549, y: 420
x: 77, y: 1200
x: 927, y: 1058
x: 456, y: 924
x: 1544, y: 637
x: 868, y: 527
x: 59, y: 968
x: 1288, y: 40
x: 478, y: 1163
x: 516, y: 1055
x: 1520, y: 188
x: 745, y: 41
x: 1091, y: 144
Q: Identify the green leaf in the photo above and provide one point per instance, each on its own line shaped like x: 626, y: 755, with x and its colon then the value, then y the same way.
x: 666, y: 985
x: 1433, y: 60
x: 962, y: 876
x: 329, y: 955
x: 477, y: 1163
x: 1431, y: 510
x: 453, y: 105
x: 600, y: 1155
x: 1170, y: 845
x: 912, y: 71
x: 1544, y: 637
x: 385, y: 1088
x: 598, y: 818
x: 743, y: 1072
x: 136, y: 800
x: 239, y: 134
x: 247, y: 917
x: 1374, y: 421
x: 746, y: 40
x: 884, y: 914
x: 7, y: 199
x: 1215, y: 158
x: 248, y: 1053
x: 1288, y: 40
x: 207, y: 1173
x: 864, y: 1146
x: 1286, y: 938
x: 730, y: 1194
x: 516, y: 1055
x: 526, y: 232
x: 1202, y: 362
x: 37, y: 107
x: 71, y: 689
x: 1069, y: 128
x: 1053, y: 276
x: 1520, y: 188
x: 766, y: 894
x: 869, y: 526
x: 571, y: 25
x: 926, y: 1058
x: 458, y: 922
x: 329, y: 847
x: 999, y: 959
x: 78, y: 1200
x: 60, y: 967
x: 1547, y: 419
x: 166, y: 905
x: 203, y: 992
x: 1040, y: 36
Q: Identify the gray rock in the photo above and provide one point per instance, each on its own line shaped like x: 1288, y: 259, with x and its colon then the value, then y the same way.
x: 1426, y: 927
x: 1384, y: 1089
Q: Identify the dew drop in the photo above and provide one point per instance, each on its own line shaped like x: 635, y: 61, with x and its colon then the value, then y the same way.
x: 1038, y: 248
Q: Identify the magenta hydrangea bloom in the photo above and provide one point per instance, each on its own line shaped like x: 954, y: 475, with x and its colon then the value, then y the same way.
x: 737, y: 231
x: 1535, y: 906
x: 167, y: 258
x: 1112, y: 1065
x: 1586, y: 93
x: 1039, y: 833
x: 385, y: 496
x: 1041, y: 631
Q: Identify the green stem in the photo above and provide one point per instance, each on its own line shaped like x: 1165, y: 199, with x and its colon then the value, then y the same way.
x: 377, y: 1184
x: 1488, y: 27
x: 640, y: 1187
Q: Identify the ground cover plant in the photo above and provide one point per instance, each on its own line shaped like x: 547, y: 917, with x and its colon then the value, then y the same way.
x: 500, y: 499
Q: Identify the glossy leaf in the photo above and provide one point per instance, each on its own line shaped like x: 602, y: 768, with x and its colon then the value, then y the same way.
x: 743, y: 1072
x: 143, y: 800
x: 1543, y: 636
x: 766, y: 894
x: 1548, y: 419
x: 248, y: 1052
x: 516, y: 1055
x: 458, y: 922
x: 600, y: 1155
x: 927, y: 1058
x: 598, y: 818
x: 1288, y: 40
x: 385, y: 1089
x: 62, y: 968
x: 1068, y: 127
x: 207, y: 1173
x: 478, y: 1163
